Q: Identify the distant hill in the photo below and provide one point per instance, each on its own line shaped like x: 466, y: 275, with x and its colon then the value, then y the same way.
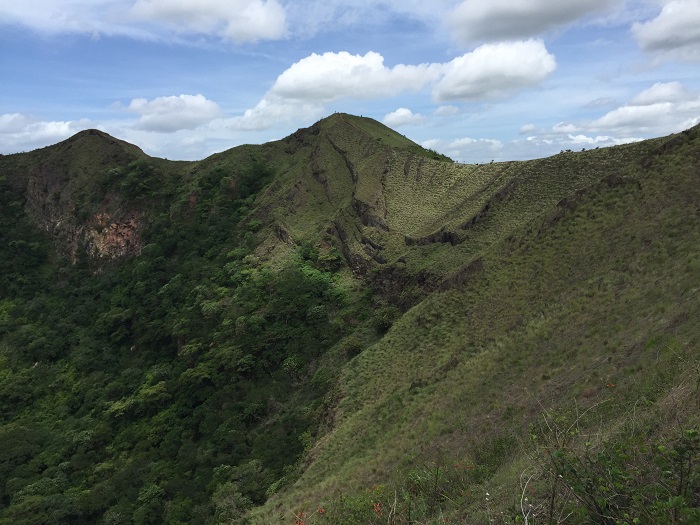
x: 346, y: 325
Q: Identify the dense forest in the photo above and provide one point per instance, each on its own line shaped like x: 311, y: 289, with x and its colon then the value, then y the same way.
x: 343, y: 327
x: 167, y: 384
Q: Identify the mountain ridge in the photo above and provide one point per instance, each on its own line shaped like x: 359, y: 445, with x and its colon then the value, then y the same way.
x: 405, y: 197
x: 343, y: 320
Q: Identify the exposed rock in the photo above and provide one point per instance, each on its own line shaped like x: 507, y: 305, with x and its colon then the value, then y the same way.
x: 367, y: 215
x: 283, y: 235
x: 106, y: 238
x: 442, y: 236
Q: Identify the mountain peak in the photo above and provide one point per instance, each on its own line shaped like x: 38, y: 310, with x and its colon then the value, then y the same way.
x: 90, y: 138
x: 91, y: 132
x: 352, y: 128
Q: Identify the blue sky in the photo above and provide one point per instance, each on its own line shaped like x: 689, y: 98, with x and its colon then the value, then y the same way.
x: 476, y: 80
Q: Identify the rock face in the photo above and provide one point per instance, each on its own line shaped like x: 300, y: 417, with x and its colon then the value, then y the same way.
x: 106, y: 238
x: 107, y: 234
x: 66, y: 194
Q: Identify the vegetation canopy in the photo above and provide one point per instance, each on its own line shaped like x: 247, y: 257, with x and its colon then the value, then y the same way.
x: 342, y: 327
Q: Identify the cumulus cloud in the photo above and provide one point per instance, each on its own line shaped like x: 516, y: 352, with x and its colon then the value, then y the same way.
x: 238, y: 20
x: 14, y: 122
x: 564, y: 127
x: 490, y: 71
x: 495, y: 70
x: 307, y: 85
x: 599, y: 140
x: 661, y: 92
x: 402, y: 117
x: 19, y: 132
x: 665, y: 107
x: 477, y: 20
x: 676, y: 29
x: 272, y: 110
x: 633, y: 117
x: 662, y: 108
x: 332, y: 76
x: 169, y: 114
x: 543, y: 145
x: 467, y: 149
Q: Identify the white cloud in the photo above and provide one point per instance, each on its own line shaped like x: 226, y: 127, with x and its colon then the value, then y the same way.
x: 332, y: 76
x: 467, y: 149
x: 665, y: 107
x: 20, y: 132
x: 661, y: 109
x: 545, y: 145
x: 490, y: 71
x: 493, y: 144
x: 402, y: 117
x: 431, y: 143
x: 495, y: 70
x: 526, y: 128
x: 564, y: 127
x: 14, y: 122
x: 273, y: 111
x: 306, y: 86
x: 633, y: 117
x: 238, y: 20
x: 676, y: 29
x: 482, y: 150
x: 308, y: 17
x: 60, y: 16
x: 446, y: 111
x: 254, y: 20
x: 479, y: 20
x: 169, y: 114
x: 599, y: 140
x: 661, y: 92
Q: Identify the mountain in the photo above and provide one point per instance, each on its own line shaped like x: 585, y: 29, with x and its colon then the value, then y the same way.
x: 344, y: 327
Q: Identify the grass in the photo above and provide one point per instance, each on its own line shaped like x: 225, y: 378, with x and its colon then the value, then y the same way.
x: 380, y: 189
x: 596, y: 306
x: 571, y: 283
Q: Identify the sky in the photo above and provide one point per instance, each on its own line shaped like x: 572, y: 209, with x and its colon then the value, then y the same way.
x: 476, y: 80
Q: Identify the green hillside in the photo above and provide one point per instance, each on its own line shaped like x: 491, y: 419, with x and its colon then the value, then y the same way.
x: 342, y: 327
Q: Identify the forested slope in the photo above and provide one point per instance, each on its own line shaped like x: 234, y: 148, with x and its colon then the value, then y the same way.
x: 343, y: 320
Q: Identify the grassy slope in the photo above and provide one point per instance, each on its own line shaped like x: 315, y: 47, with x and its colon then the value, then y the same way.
x: 396, y: 202
x: 586, y: 275
x: 600, y: 290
